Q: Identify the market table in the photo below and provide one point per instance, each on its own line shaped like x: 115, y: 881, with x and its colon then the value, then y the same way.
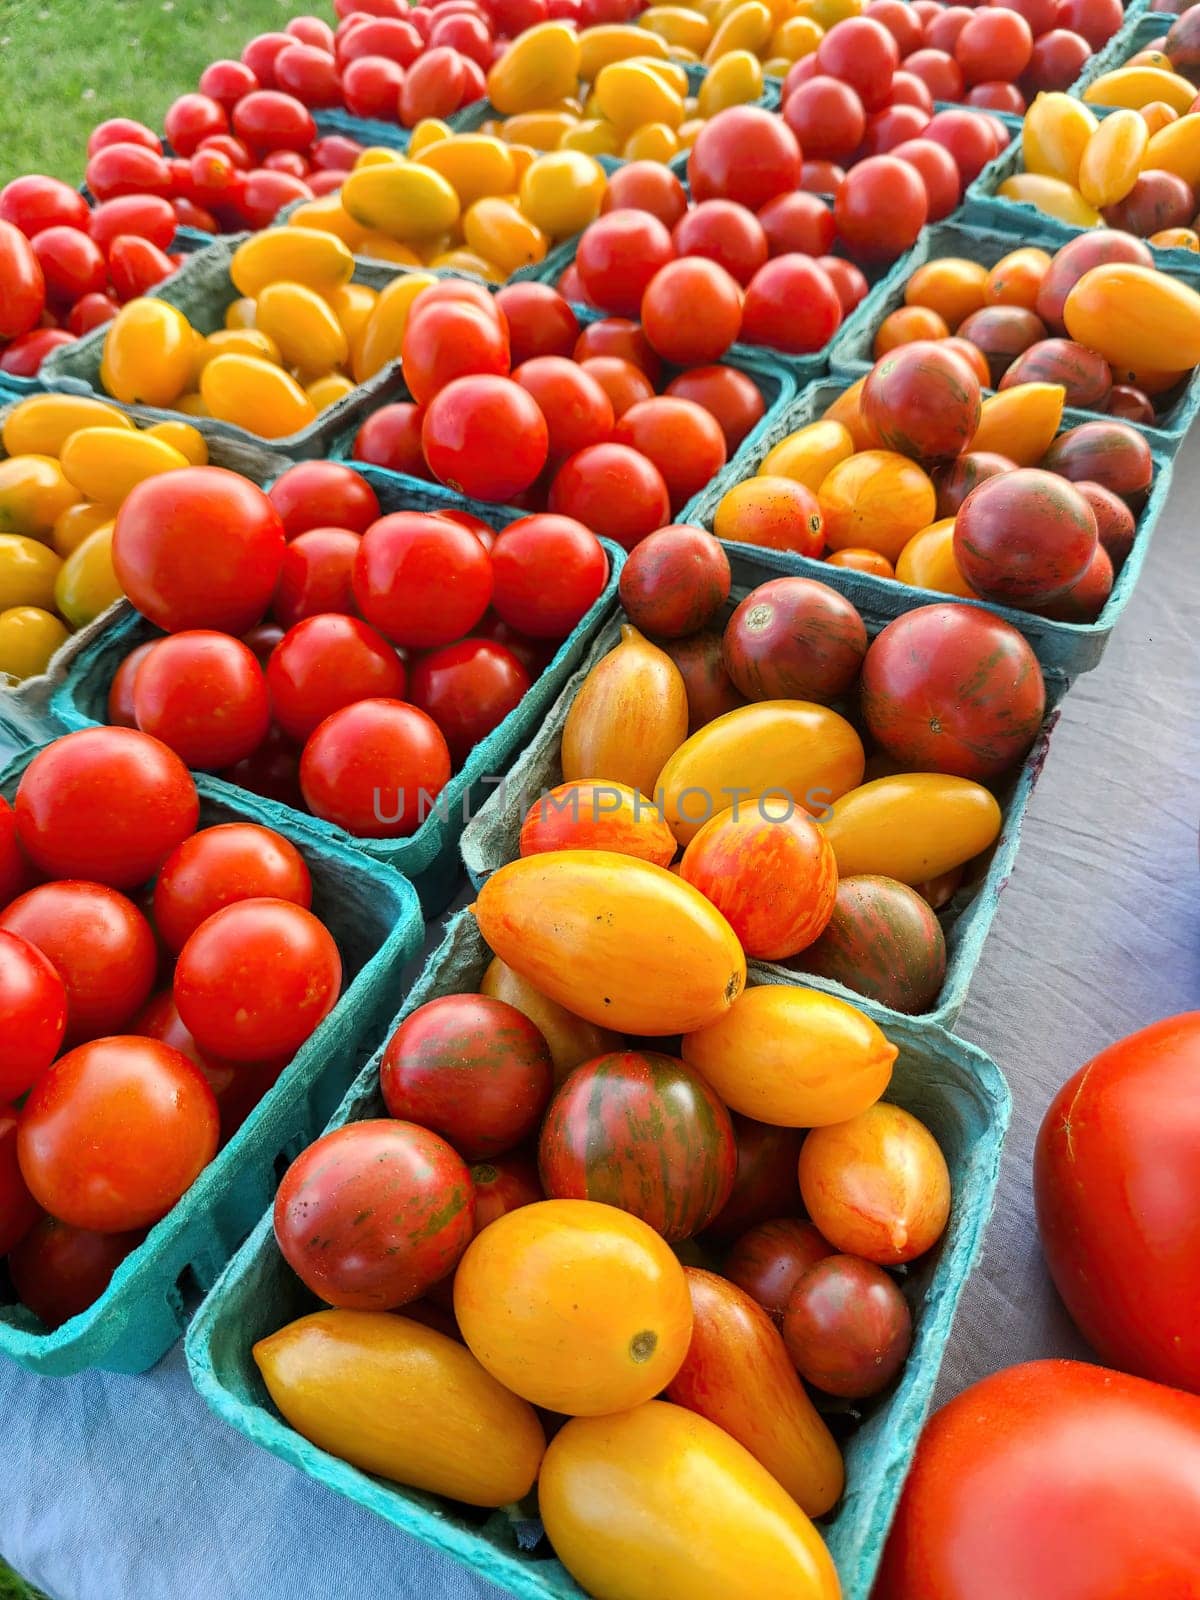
x: 117, y: 1488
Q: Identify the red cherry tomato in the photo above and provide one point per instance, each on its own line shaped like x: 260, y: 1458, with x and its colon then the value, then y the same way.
x: 273, y: 770
x: 123, y: 130
x: 433, y: 86
x: 456, y: 292
x: 22, y: 286
x: 485, y: 436
x: 827, y: 117
x: 938, y: 171
x: 861, y: 52
x: 327, y: 662
x: 451, y: 339
x: 136, y: 266
x: 745, y: 154
x: 35, y: 203
x: 33, y: 1014
x: 101, y: 946
x: 315, y: 576
x: 613, y: 490
x: 618, y: 255
x: 71, y: 264
x: 724, y: 232
x: 201, y: 548
x: 797, y: 223
x: 146, y: 215
x: 683, y: 441
x: 334, y: 153
x: 1094, y: 20
x: 646, y: 186
x: 821, y: 177
x: 375, y: 768
x: 791, y: 305
x: 193, y: 117
x: 622, y: 382
x: 943, y: 29
x: 19, y: 1211
x: 371, y: 87
x: 59, y: 1271
x: 938, y: 71
x: 106, y: 804
x: 468, y: 689
x: 909, y: 90
x: 995, y: 43
x: 237, y: 1085
x: 93, y: 311
x: 127, y: 169
x: 391, y: 438
x: 308, y: 73
x: 577, y: 410
x: 238, y: 153
x: 570, y: 286
x: 732, y: 397
x: 969, y: 139
x: 323, y: 494
x: 669, y: 318
x: 881, y: 207
x: 24, y: 356
x: 1057, y: 59
x: 290, y: 162
x: 549, y: 571
x: 265, y: 193
x: 892, y: 126
x: 393, y: 37
x: 259, y: 56
x: 849, y: 283
x: 204, y: 695
x: 540, y: 322
x: 270, y: 120
x: 115, y: 1132
x: 256, y: 978
x: 900, y: 21
x: 226, y: 82
x: 15, y: 871
x: 220, y: 866
x: 422, y: 580
x: 618, y: 336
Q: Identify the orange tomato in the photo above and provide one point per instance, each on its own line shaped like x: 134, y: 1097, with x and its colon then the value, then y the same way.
x: 1112, y: 158
x: 777, y: 513
x: 876, y: 1185
x: 876, y: 500
x: 952, y: 287
x: 847, y: 409
x: 1157, y: 114
x: 906, y: 324
x: 629, y: 717
x: 1174, y: 146
x: 34, y: 494
x: 572, y: 1040
x: 1053, y: 196
x: 1021, y: 422
x: 1176, y: 239
x: 1056, y: 132
x: 927, y: 561
x: 574, y: 1306
x: 1134, y: 316
x: 597, y: 816
x: 862, y: 561
x: 1017, y: 277
x: 809, y: 454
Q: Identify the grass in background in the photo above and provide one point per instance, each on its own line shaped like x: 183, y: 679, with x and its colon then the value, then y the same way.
x: 68, y: 64
x: 12, y: 1588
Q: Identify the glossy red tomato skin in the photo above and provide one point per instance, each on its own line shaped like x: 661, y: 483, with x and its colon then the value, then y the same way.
x: 1112, y: 1178
x: 310, y: 74
x: 33, y: 1014
x: 421, y: 580
x: 19, y: 1211
x: 391, y: 438
x: 849, y: 282
x: 549, y: 571
x: 745, y: 154
x: 622, y: 338
x: 327, y: 662
x: 16, y: 874
x: 791, y: 305
x: 486, y: 437
x: 371, y: 87
x: 101, y: 946
x: 468, y: 689
x: 22, y: 285
x: 827, y: 117
x: 1053, y: 1481
x: 646, y: 186
x: 770, y: 1257
x: 623, y: 383
x: 193, y: 117
x: 683, y: 441
x: 35, y: 202
x: 880, y: 208
x: 24, y: 356
x: 614, y: 490
x: 724, y: 232
x: 617, y: 257
x: 969, y: 139
x: 996, y: 44
x: 434, y: 86
x: 375, y: 768
x: 92, y: 311
x: 256, y: 978
x: 451, y: 339
x: 951, y: 688
x: 204, y: 696
x: 227, y: 81
x: 668, y: 312
x: 127, y: 169
x: 315, y: 576
x: 847, y: 1327
x: 122, y: 130
x: 137, y: 789
x: 472, y: 1069
x: 891, y: 126
x: 115, y: 1132
x: 726, y: 393
x: 861, y: 52
x: 937, y: 170
x: 259, y: 53
x: 323, y: 494
x: 374, y: 1213
x: 1057, y: 59
x: 136, y: 267
x: 218, y: 866
x: 798, y: 223
x: 198, y: 548
x: 577, y: 409
x: 72, y: 265
x: 270, y: 120
x: 540, y: 321
x: 59, y: 1271
x: 391, y: 37
x: 237, y: 1085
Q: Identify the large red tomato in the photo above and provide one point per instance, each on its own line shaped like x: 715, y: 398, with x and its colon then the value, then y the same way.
x: 375, y: 1213
x: 880, y: 207
x: 668, y: 311
x: 18, y: 1209
x: 473, y: 1069
x: 216, y: 867
x: 33, y: 1014
x: 375, y: 768
x: 114, y: 1133
x: 1052, y: 1481
x: 548, y: 571
x: 1116, y: 1181
x: 199, y: 548
x: 106, y: 804
x: 204, y: 695
x: 951, y: 688
x: 485, y: 436
x: 422, y: 580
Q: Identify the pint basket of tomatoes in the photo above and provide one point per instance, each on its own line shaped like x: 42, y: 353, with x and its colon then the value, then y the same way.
x: 125, y: 886
x: 253, y: 1343
x: 906, y: 934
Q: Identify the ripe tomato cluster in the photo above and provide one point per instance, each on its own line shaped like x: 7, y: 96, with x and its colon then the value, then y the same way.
x: 155, y: 980
x: 392, y: 644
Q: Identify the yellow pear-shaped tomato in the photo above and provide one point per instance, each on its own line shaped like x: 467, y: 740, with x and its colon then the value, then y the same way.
x: 499, y: 231
x: 540, y: 130
x: 876, y: 500
x: 659, y: 1503
x: 327, y: 391
x: 28, y: 569
x: 327, y: 214
x: 620, y: 942
x: 793, y: 39
x: 546, y: 1282
x: 473, y: 164
x: 572, y: 1039
x: 748, y: 26
x: 1021, y: 422
x: 192, y: 405
x: 104, y: 464
x: 594, y: 136
x: 1175, y: 147
x: 352, y: 305
x: 784, y: 752
x: 239, y: 313
x: 29, y: 636
x: 599, y: 47
x: 540, y: 67
x: 464, y: 260
x: 34, y: 493
x: 1135, y: 87
x: 397, y: 1399
x: 810, y: 454
x: 630, y: 94
x: 181, y: 436
x: 239, y: 342
x: 629, y: 716
x: 1053, y: 196
x: 561, y: 192
x: 379, y: 247
x: 310, y: 256
x: 149, y: 354
x: 256, y: 396
x: 428, y: 131
x: 793, y: 1057
x: 406, y: 201
x: 86, y: 583
x: 674, y: 25
x: 38, y: 426
x: 927, y: 561
x: 380, y: 339
x: 911, y: 826
x: 1056, y: 132
x: 304, y: 326
x: 735, y: 80
x: 1135, y: 317
x: 72, y: 526
x: 653, y: 141
x: 1112, y: 158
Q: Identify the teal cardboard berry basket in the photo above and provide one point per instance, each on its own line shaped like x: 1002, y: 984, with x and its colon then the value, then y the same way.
x: 491, y: 838
x: 851, y: 354
x: 429, y: 857
x: 374, y: 916
x: 949, y: 1084
x: 366, y: 130
x: 1065, y: 649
